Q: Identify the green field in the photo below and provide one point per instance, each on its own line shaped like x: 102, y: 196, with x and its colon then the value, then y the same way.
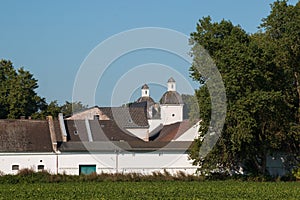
x: 152, y: 190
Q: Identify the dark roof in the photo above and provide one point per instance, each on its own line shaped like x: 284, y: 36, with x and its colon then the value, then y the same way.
x: 145, y: 86
x: 133, y: 146
x: 172, y: 131
x: 25, y: 136
x: 171, y: 80
x: 149, y: 100
x: 116, y: 133
x: 103, y: 130
x: 171, y: 97
x: 76, y: 130
x: 108, y: 136
x: 127, y: 117
x: 57, y: 131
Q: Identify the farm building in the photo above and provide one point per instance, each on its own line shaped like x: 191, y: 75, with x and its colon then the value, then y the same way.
x: 144, y: 137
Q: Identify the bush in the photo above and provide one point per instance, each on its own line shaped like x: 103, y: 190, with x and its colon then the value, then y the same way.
x: 296, y: 173
x: 29, y: 176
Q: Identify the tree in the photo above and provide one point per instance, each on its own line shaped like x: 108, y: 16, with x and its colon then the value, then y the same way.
x: 257, y: 120
x: 70, y: 107
x: 190, y: 108
x: 282, y: 34
x: 17, y: 92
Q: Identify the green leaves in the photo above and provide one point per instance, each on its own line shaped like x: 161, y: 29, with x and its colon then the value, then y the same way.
x: 17, y: 88
x: 262, y: 81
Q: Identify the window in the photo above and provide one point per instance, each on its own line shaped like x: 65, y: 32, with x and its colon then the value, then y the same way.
x: 15, y: 167
x: 41, y: 167
x: 75, y: 132
x: 173, y: 115
x: 146, y: 92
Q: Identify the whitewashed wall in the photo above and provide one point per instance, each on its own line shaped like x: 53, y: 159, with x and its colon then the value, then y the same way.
x: 141, y: 133
x: 190, y: 134
x: 126, y: 162
x: 27, y: 160
x: 154, y: 123
x: 167, y: 112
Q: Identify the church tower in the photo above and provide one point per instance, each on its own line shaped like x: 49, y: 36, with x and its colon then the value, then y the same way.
x: 171, y: 104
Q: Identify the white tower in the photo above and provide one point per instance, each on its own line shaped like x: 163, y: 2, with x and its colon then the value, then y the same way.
x: 171, y: 84
x: 145, y: 91
x: 171, y: 105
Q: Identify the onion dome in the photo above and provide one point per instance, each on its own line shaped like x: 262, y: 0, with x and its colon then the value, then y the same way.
x: 171, y: 97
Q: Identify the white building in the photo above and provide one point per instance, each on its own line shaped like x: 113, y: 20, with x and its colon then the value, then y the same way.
x: 142, y: 138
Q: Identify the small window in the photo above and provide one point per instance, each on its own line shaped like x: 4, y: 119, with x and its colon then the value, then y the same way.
x: 15, y: 167
x: 41, y: 167
x: 146, y: 92
x: 173, y: 115
x: 76, y: 132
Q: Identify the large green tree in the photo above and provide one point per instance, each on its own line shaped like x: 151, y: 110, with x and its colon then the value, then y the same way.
x: 17, y: 92
x: 258, y: 114
x: 282, y: 35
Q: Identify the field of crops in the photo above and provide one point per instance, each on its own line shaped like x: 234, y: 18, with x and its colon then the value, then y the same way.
x: 152, y: 190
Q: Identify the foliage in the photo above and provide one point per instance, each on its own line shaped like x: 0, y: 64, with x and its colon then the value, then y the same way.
x: 17, y: 92
x: 53, y: 109
x: 190, y: 107
x: 261, y: 88
x: 71, y: 107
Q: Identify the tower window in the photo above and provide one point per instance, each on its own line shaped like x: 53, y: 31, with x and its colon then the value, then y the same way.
x: 146, y: 92
x: 173, y: 115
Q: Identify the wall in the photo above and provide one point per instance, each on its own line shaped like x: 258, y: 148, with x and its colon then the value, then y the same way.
x: 126, y: 162
x: 89, y: 114
x: 154, y: 123
x: 167, y: 112
x: 27, y: 160
x: 141, y: 133
x: 190, y: 134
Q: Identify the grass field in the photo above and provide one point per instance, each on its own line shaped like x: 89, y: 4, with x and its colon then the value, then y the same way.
x: 152, y: 190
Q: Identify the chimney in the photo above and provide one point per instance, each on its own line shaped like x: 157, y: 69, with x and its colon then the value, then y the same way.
x: 52, y: 133
x: 88, y: 129
x: 62, y: 127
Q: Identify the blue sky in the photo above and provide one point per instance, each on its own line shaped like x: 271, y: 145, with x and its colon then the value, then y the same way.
x: 51, y: 39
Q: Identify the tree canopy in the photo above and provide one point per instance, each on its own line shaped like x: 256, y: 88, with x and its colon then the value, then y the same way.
x: 260, y: 73
x: 19, y: 98
x: 17, y: 92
